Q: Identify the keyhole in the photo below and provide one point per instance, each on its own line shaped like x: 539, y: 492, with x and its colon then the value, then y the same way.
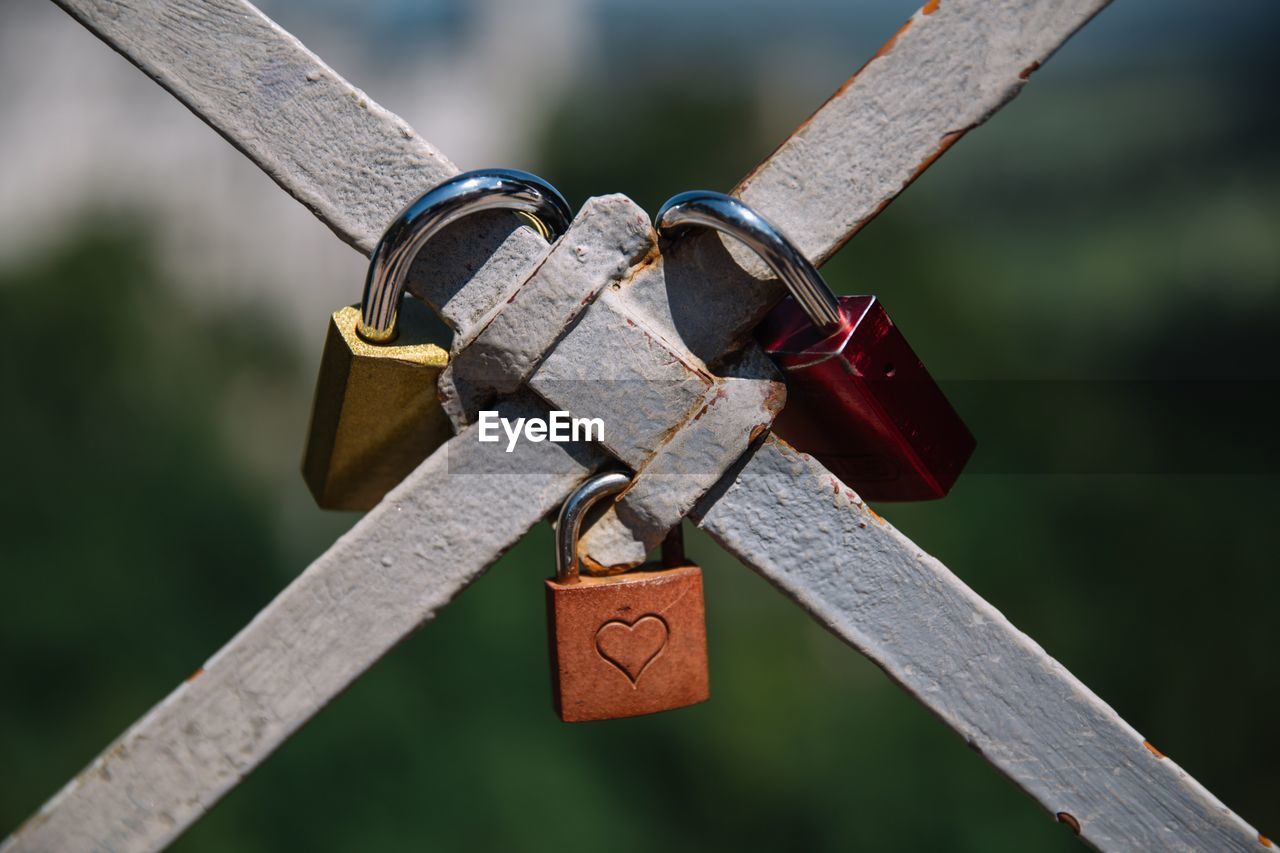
x: 889, y: 369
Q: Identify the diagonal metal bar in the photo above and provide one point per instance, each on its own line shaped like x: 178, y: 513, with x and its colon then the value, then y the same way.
x: 948, y: 70
x: 157, y: 810
x: 325, y: 142
x: 993, y: 685
x: 393, y: 572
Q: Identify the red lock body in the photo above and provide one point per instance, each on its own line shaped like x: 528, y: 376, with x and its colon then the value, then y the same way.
x: 862, y: 403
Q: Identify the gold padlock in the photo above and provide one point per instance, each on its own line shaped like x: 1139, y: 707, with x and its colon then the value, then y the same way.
x: 376, y: 415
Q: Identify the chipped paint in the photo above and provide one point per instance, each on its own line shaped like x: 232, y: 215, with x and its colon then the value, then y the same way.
x: 1069, y: 820
x: 884, y: 49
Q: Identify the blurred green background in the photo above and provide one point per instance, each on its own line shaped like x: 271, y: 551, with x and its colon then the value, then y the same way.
x: 1118, y: 221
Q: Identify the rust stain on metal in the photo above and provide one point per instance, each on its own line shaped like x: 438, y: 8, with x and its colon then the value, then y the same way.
x: 1029, y: 70
x: 928, y: 9
x: 651, y: 257
x: 193, y: 676
x: 595, y: 569
x: 670, y: 433
x: 41, y: 817
x: 742, y: 185
x: 946, y: 142
x: 1263, y: 840
x: 884, y: 48
x: 1069, y: 820
x: 1150, y: 748
x: 775, y: 399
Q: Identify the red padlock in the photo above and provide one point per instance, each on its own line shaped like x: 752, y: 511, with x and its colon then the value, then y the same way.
x: 858, y: 398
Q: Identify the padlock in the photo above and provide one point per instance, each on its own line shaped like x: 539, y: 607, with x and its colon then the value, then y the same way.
x: 376, y: 414
x: 859, y: 400
x: 628, y: 644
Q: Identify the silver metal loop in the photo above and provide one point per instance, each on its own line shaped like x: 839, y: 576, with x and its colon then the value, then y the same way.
x: 569, y: 522
x: 470, y: 192
x: 729, y: 215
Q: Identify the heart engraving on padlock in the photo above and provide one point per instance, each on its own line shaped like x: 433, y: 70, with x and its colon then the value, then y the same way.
x: 625, y: 644
x: 632, y: 646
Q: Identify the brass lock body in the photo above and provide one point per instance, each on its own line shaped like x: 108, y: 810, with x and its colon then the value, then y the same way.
x: 376, y: 415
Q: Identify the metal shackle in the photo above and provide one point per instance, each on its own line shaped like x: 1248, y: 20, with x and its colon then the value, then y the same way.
x: 569, y: 522
x: 470, y: 192
x: 730, y: 216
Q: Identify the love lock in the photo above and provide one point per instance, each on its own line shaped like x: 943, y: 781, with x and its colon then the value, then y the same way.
x: 376, y: 415
x: 859, y: 399
x: 627, y: 644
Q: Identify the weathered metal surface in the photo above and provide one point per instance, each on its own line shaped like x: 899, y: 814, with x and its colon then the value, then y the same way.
x: 715, y: 301
x: 392, y: 572
x: 674, y: 422
x: 961, y: 658
x: 676, y: 461
x: 950, y: 69
x: 946, y: 71
x: 735, y: 411
x: 607, y: 237
x: 326, y: 143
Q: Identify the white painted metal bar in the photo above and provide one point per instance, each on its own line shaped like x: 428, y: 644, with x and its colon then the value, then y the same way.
x: 396, y: 569
x: 948, y: 70
x: 788, y: 518
x: 326, y: 143
x: 158, y: 791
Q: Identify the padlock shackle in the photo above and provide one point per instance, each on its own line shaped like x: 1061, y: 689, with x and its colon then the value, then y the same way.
x: 438, y: 207
x: 569, y: 522
x: 730, y: 216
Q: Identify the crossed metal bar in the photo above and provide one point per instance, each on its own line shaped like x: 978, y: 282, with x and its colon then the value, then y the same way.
x: 951, y: 67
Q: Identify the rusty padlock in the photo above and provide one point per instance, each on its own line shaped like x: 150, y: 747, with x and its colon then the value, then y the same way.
x: 376, y: 414
x: 859, y: 400
x: 628, y: 644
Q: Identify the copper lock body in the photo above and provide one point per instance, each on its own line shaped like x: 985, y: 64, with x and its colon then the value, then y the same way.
x: 627, y: 644
x: 376, y: 415
x: 859, y: 400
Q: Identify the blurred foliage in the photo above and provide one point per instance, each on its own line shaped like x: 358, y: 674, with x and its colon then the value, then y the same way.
x: 1092, y: 231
